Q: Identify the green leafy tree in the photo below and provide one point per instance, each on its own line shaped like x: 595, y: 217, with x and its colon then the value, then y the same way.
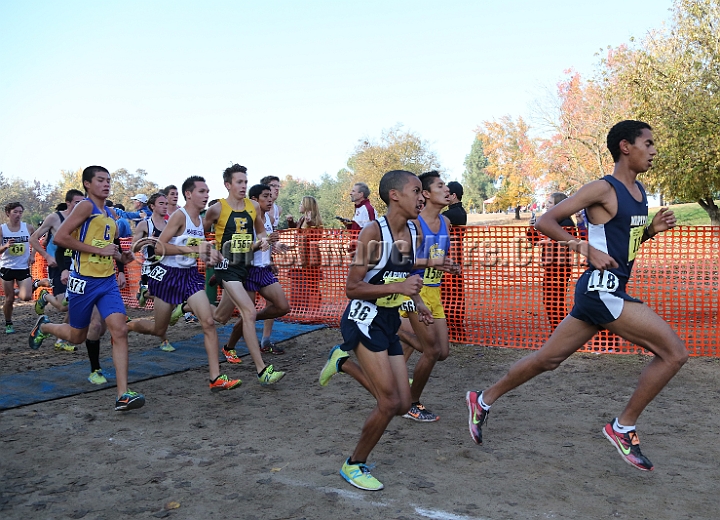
x: 397, y: 149
x: 675, y: 82
x: 125, y: 185
x: 477, y: 184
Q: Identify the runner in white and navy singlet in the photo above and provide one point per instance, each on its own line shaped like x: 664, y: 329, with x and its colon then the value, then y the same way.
x: 600, y: 297
x: 380, y: 333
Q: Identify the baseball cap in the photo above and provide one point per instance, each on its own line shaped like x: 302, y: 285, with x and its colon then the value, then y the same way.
x: 140, y: 197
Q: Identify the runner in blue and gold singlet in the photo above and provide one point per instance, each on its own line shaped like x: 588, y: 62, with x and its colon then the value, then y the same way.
x: 90, y: 231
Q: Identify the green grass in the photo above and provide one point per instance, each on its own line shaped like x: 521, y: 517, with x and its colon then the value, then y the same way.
x: 690, y: 214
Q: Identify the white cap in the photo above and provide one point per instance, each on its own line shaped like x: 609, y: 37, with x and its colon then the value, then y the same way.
x: 140, y: 197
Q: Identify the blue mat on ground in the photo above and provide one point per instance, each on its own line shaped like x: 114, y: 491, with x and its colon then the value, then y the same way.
x: 66, y: 380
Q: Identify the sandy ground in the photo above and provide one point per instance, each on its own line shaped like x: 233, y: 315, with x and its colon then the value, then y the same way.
x: 274, y: 453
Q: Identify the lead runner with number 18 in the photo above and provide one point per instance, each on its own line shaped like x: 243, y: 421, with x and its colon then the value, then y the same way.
x: 617, y: 212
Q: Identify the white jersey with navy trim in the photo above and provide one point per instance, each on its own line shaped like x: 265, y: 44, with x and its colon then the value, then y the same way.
x: 192, y: 236
x: 17, y: 256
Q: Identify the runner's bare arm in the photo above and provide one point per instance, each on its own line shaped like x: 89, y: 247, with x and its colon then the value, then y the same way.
x: 47, y: 226
x: 356, y: 288
x: 211, y: 216
x: 64, y: 238
x: 598, y: 197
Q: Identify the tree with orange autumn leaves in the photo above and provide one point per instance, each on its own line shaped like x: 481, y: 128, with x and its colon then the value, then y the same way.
x: 514, y: 161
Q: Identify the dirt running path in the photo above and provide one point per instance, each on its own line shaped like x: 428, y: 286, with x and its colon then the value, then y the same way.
x: 274, y: 453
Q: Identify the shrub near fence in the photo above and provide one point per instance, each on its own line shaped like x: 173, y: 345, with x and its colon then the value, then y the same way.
x: 498, y: 298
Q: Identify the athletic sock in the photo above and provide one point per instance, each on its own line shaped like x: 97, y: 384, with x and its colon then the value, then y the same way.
x: 8, y: 323
x: 341, y: 362
x: 482, y: 404
x: 263, y: 371
x: 355, y: 462
x: 622, y: 429
x: 93, y: 348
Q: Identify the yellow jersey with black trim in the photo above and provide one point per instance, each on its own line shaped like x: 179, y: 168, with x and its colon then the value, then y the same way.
x: 97, y: 231
x: 235, y: 230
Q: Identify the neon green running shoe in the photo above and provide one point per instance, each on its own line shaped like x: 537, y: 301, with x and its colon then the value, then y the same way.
x: 270, y: 376
x: 97, y: 377
x: 41, y: 303
x: 165, y: 346
x: 331, y: 365
x: 36, y: 336
x: 61, y: 344
x: 177, y: 313
x: 359, y: 476
x: 142, y: 296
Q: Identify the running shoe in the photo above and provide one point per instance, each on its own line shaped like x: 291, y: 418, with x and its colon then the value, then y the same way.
x: 165, y: 346
x: 628, y: 446
x: 477, y: 416
x: 97, y: 378
x: 129, y: 401
x: 223, y: 382
x: 41, y: 303
x: 40, y: 283
x: 36, y: 336
x: 419, y: 413
x: 191, y: 318
x: 142, y: 296
x: 61, y: 344
x: 9, y: 329
x: 271, y: 348
x: 176, y: 313
x: 331, y: 365
x: 270, y: 376
x: 231, y: 356
x: 359, y: 476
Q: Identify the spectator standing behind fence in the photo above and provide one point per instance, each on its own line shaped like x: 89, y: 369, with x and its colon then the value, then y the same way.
x: 455, y: 212
x: 556, y: 262
x: 452, y: 287
x: 306, y: 279
x: 364, y: 212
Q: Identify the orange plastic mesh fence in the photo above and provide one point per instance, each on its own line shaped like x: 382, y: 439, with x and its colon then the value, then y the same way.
x: 513, y: 285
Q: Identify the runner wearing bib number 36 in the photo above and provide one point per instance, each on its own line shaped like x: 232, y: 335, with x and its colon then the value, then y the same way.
x: 378, y: 279
x: 616, y: 207
x: 91, y: 233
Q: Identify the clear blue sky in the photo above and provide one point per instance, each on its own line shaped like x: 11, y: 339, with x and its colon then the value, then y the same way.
x: 284, y: 87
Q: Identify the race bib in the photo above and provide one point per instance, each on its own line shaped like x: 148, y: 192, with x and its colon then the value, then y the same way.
x: 636, y: 234
x: 223, y: 264
x: 408, y: 306
x: 603, y: 281
x: 192, y: 242
x: 158, y: 273
x: 241, y: 243
x: 97, y: 259
x: 393, y: 300
x: 76, y: 286
x: 68, y: 252
x: 145, y: 269
x: 363, y: 313
x: 17, y: 249
x: 432, y: 276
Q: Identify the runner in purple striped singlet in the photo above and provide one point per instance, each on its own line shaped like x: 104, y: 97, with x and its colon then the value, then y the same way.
x: 176, y: 279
